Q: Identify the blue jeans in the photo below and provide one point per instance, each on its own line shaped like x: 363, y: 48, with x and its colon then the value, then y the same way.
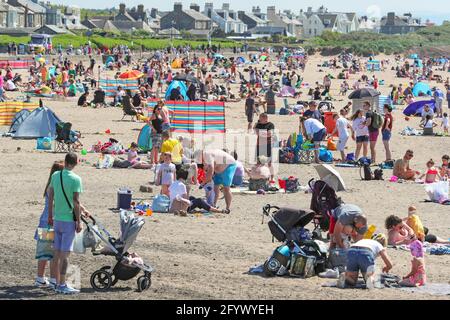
x: 360, y: 259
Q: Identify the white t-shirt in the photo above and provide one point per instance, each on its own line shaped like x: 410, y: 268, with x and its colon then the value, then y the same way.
x: 313, y: 126
x: 425, y: 113
x: 342, y: 126
x: 428, y: 124
x: 359, y: 127
x: 373, y: 245
x: 177, y: 188
x: 167, y: 173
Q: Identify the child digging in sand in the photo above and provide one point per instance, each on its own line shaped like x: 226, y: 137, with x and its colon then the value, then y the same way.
x: 417, y: 276
x: 361, y: 257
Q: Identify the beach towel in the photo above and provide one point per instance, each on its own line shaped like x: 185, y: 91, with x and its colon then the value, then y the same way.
x: 346, y: 165
x: 246, y: 190
x: 110, y: 85
x: 436, y: 289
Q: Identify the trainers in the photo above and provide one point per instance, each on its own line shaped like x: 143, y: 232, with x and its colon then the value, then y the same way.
x: 52, y: 283
x: 341, y: 281
x: 369, y: 283
x: 41, y: 282
x: 65, y: 289
x: 330, y: 273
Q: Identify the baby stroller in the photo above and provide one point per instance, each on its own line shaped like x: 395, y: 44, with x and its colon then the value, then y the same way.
x: 323, y: 201
x: 287, y: 226
x: 126, y: 266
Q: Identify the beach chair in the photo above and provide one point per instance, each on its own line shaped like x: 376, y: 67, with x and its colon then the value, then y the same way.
x: 62, y: 140
x: 128, y: 109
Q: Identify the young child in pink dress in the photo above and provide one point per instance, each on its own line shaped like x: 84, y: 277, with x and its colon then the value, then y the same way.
x: 417, y: 276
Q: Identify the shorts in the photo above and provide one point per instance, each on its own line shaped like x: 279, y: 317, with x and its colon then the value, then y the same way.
x: 373, y: 135
x: 362, y: 139
x: 318, y: 136
x: 386, y: 135
x: 166, y: 126
x: 198, y: 203
x: 156, y: 140
x: 360, y: 259
x: 264, y: 150
x: 64, y: 235
x: 238, y: 180
x: 249, y: 116
x: 341, y: 144
x: 226, y: 177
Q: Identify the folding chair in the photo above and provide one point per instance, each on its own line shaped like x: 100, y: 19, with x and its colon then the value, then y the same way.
x: 128, y: 109
x: 62, y: 140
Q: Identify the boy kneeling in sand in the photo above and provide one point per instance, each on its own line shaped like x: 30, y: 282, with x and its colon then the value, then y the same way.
x: 361, y: 256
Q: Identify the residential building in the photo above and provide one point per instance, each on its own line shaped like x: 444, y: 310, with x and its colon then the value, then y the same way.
x: 33, y: 13
x: 227, y: 20
x: 9, y: 15
x: 251, y: 20
x: 293, y: 26
x: 316, y: 22
x: 52, y: 30
x: 186, y: 19
x: 392, y: 24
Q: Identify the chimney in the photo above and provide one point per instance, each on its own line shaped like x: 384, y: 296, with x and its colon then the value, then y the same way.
x: 195, y: 7
x: 178, y: 6
x: 153, y: 13
x: 226, y: 7
x: 140, y: 9
x: 256, y: 10
x: 309, y: 9
x: 271, y: 12
x: 122, y: 8
x: 390, y: 18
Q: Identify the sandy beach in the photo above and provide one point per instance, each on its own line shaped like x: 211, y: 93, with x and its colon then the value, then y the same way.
x: 208, y: 257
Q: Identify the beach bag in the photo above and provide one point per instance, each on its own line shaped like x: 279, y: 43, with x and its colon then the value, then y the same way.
x: 378, y: 174
x: 286, y: 156
x: 44, y: 249
x: 325, y: 155
x: 258, y: 184
x: 303, y: 266
x: 78, y: 243
x: 291, y: 184
x: 284, y: 112
x: 90, y: 238
x: 277, y: 264
x: 438, y: 191
x: 44, y: 143
x: 350, y: 157
x: 161, y: 203
x: 367, y: 172
x: 377, y: 120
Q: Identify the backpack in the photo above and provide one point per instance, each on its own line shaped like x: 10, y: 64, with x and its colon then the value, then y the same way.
x: 377, y: 120
x: 378, y: 174
x: 367, y: 172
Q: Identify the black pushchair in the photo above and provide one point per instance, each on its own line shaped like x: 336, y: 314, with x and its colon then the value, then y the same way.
x: 323, y: 201
x: 287, y: 226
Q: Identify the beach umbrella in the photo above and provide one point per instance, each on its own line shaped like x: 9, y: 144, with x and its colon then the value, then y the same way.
x: 422, y: 88
x: 329, y: 175
x: 131, y: 75
x: 364, y: 93
x: 218, y: 56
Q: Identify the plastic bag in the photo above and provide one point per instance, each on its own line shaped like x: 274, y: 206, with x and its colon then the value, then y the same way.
x: 438, y: 191
x: 44, y: 249
x: 331, y: 145
x: 78, y: 245
x: 90, y: 238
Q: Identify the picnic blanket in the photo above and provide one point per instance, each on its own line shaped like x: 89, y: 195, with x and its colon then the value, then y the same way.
x: 16, y: 64
x: 110, y: 85
x: 436, y: 289
x: 245, y: 190
x: 9, y: 109
x: 195, y: 116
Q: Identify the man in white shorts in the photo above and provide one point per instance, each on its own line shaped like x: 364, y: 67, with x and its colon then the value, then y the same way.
x: 341, y: 128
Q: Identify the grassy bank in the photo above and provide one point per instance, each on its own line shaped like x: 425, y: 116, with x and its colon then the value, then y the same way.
x: 108, y: 42
x: 364, y: 43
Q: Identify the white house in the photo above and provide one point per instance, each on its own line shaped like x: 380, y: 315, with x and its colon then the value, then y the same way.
x: 292, y: 26
x: 226, y: 19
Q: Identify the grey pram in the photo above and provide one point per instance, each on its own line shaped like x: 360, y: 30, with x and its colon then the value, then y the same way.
x: 126, y: 266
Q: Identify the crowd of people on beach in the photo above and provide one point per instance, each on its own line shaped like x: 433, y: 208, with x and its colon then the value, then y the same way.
x: 179, y: 166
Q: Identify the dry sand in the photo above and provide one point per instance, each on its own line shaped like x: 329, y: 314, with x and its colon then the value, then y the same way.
x: 204, y: 257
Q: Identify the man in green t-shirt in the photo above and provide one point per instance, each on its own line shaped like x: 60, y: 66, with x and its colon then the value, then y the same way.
x: 64, y: 214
